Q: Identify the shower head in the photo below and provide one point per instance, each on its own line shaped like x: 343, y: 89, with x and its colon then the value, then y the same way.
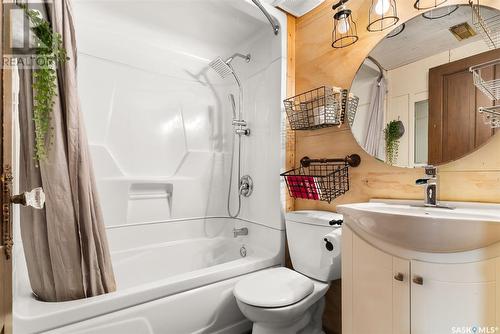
x: 223, y: 68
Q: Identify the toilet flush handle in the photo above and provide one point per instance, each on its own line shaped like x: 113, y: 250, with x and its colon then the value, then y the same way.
x: 329, y: 246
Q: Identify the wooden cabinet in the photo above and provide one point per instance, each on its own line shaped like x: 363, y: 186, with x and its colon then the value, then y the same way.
x: 383, y: 294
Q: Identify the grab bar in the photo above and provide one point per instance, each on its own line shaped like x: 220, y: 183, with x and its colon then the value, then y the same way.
x: 274, y: 22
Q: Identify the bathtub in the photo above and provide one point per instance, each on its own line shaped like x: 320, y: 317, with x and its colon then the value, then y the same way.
x: 172, y: 277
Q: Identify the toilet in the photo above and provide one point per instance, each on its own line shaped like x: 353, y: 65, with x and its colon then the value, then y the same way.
x: 285, y: 301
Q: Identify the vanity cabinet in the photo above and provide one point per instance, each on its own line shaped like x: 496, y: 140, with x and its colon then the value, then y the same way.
x: 453, y: 295
x: 383, y: 293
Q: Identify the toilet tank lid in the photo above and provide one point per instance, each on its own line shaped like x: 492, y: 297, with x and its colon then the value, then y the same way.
x: 313, y: 217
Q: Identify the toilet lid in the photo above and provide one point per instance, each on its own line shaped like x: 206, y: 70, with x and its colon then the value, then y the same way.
x: 275, y: 287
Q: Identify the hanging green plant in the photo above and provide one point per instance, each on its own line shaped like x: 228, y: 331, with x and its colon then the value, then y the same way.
x: 49, y: 54
x: 393, y: 131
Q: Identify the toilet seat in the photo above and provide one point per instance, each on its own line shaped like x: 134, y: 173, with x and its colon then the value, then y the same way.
x: 277, y: 287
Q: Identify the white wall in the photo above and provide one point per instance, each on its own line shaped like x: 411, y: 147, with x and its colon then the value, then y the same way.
x: 159, y: 122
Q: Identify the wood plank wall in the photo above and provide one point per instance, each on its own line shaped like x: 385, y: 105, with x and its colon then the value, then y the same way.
x: 290, y: 91
x: 473, y: 178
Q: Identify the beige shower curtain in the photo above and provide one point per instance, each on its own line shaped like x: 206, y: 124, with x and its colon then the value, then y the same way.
x: 65, y: 245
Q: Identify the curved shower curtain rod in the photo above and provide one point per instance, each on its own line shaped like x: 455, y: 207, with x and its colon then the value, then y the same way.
x: 274, y: 22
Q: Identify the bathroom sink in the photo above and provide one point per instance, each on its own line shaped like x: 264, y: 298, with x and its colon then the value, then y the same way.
x: 454, y: 227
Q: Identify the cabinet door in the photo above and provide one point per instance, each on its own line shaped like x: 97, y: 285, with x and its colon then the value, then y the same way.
x: 448, y: 296
x: 380, y: 298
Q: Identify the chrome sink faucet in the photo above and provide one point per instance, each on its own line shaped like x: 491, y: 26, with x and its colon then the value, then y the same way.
x: 430, y: 184
x: 240, y: 231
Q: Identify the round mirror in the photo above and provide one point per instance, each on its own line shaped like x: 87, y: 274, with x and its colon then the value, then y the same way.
x: 427, y: 92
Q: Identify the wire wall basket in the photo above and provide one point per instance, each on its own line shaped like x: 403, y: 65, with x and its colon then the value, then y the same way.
x: 320, y: 179
x: 491, y: 116
x: 315, y: 109
x: 490, y: 88
x: 487, y: 24
x: 350, y: 106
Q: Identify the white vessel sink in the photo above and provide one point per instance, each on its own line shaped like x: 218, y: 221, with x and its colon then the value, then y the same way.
x: 466, y: 227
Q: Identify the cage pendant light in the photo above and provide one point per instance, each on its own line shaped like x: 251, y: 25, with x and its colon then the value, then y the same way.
x: 428, y: 4
x: 345, y: 32
x: 383, y: 15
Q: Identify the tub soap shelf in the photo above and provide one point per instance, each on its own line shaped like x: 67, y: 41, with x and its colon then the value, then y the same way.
x: 320, y: 179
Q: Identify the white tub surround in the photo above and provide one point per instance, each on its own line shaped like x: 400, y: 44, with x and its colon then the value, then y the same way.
x: 159, y: 119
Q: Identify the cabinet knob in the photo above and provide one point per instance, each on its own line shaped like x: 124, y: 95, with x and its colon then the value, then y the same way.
x: 418, y: 280
x: 399, y: 277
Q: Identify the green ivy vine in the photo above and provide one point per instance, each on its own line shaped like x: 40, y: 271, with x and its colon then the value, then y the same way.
x: 392, y: 135
x: 49, y: 54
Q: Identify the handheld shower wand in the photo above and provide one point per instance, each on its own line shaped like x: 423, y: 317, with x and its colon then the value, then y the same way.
x: 233, y: 105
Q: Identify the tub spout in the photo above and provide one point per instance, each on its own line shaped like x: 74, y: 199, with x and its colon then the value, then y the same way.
x: 240, y: 231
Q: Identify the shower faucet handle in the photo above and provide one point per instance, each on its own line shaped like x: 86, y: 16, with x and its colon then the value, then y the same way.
x: 246, y: 186
x: 34, y: 198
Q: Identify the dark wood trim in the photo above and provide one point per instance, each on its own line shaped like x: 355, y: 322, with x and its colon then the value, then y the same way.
x: 6, y: 163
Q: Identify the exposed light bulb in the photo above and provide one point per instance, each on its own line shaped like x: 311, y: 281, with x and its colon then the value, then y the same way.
x: 382, y: 7
x: 343, y: 25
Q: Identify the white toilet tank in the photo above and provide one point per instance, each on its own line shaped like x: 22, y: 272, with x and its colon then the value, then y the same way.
x: 310, y: 253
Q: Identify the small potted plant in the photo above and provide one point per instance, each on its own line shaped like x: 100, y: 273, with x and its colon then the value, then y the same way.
x: 393, y: 132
